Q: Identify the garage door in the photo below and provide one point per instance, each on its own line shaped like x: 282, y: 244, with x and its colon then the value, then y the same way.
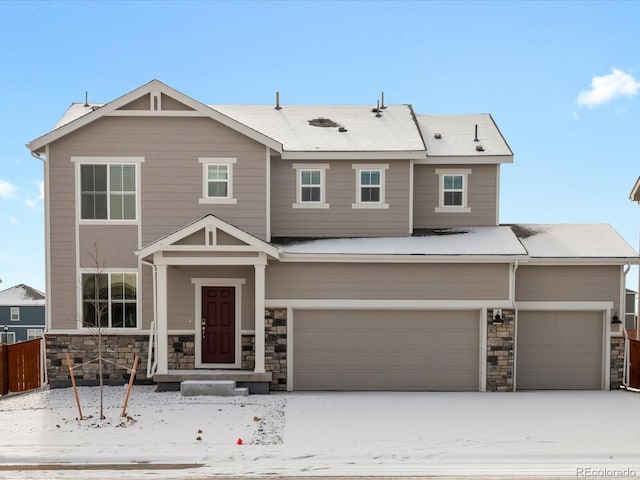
x: 559, y: 350
x: 385, y: 350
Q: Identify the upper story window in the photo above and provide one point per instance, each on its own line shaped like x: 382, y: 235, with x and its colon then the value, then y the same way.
x: 453, y: 190
x: 311, y: 186
x: 109, y: 300
x: 108, y: 188
x: 217, y: 184
x: 370, y: 186
x: 15, y: 314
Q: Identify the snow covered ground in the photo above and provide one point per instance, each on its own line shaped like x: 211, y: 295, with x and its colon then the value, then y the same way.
x: 540, y: 433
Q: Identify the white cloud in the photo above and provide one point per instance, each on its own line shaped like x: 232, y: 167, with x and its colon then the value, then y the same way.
x: 41, y: 189
x: 13, y: 220
x: 7, y: 190
x: 606, y: 88
x: 31, y: 203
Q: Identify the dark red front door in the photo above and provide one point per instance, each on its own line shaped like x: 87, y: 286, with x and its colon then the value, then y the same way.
x: 218, y: 324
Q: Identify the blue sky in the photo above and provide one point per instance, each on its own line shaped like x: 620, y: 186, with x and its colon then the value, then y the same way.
x: 562, y: 80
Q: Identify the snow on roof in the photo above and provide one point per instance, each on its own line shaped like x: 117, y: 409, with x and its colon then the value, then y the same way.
x: 21, y: 295
x: 457, y: 133
x: 468, y: 241
x: 394, y: 130
x: 573, y: 241
x: 75, y: 111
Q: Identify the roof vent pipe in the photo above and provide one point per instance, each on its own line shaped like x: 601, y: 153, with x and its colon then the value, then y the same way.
x: 86, y: 98
x: 475, y: 139
x: 382, y: 106
x: 278, y: 107
x: 378, y: 114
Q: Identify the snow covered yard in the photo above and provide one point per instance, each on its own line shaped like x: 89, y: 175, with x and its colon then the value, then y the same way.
x: 549, y: 433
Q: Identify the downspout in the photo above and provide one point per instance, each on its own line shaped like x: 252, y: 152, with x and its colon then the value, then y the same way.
x: 512, y: 298
x: 623, y: 313
x: 152, y: 361
x: 43, y: 349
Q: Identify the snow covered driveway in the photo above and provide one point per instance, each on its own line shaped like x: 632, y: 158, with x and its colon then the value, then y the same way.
x: 547, y: 433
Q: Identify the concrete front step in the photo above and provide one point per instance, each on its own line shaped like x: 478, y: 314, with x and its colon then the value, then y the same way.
x: 220, y: 388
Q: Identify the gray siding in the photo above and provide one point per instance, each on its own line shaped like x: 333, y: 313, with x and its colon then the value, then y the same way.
x: 569, y: 283
x: 171, y: 185
x: 387, y: 281
x: 31, y: 316
x: 340, y: 219
x: 98, y: 248
x: 482, y: 197
x: 181, y: 301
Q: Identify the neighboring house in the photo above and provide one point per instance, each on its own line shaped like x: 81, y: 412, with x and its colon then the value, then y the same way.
x: 631, y: 313
x: 22, y: 315
x: 314, y: 248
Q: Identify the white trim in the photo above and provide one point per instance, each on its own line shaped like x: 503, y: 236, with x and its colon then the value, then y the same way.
x: 381, y: 258
x: 268, y: 195
x: 31, y: 330
x: 314, y: 167
x: 498, y: 194
x: 206, y: 163
x: 580, y: 306
x: 482, y: 383
x: 290, y: 356
x: 411, y: 186
x: 47, y: 233
x: 198, y: 261
x: 377, y: 304
x: 464, y: 173
x: 153, y: 86
x: 355, y: 155
x: 211, y: 248
x: 11, y: 312
x: 259, y: 293
x: 199, y: 283
x: 162, y: 325
x: 102, y: 160
x: 380, y: 168
x: 156, y: 113
x: 464, y: 159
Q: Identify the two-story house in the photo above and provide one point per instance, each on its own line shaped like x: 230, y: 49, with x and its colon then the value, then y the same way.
x: 22, y: 315
x: 314, y: 248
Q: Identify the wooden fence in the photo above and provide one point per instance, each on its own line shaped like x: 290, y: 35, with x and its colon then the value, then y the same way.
x: 20, y: 366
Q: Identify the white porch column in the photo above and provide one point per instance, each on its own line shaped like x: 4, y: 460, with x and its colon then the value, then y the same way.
x: 162, y: 348
x: 259, y: 327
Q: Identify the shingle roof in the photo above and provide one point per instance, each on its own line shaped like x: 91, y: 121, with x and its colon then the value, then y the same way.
x: 457, y: 134
x: 21, y: 295
x: 393, y: 130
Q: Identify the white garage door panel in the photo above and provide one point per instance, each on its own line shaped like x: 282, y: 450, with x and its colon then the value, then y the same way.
x: 559, y: 350
x: 381, y: 350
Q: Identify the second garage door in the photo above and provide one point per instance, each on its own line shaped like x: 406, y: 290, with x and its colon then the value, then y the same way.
x: 559, y: 350
x: 384, y: 350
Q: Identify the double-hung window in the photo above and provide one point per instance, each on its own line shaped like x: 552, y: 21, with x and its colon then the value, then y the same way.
x: 454, y: 190
x: 217, y: 185
x: 310, y: 186
x: 34, y: 333
x: 370, y: 191
x: 15, y: 314
x: 108, y: 188
x: 109, y: 300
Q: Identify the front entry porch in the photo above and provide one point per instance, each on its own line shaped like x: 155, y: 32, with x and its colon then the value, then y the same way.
x: 257, y: 383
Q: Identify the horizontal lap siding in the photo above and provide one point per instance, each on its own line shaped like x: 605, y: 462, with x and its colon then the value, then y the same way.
x: 569, y: 283
x: 340, y: 219
x: 387, y: 281
x: 98, y: 248
x: 171, y: 179
x: 482, y: 197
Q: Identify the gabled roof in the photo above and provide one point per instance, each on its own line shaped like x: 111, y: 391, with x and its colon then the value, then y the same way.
x: 79, y: 116
x: 575, y: 241
x: 317, y: 131
x: 20, y: 295
x: 212, y: 222
x: 455, y: 135
x: 635, y: 192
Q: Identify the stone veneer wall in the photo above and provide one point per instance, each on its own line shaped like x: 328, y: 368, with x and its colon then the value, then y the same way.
x: 182, y: 352
x: 500, y: 348
x: 617, y: 363
x: 275, y: 348
x: 120, y: 349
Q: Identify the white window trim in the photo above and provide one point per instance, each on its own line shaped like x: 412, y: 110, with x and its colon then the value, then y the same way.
x: 5, y: 336
x: 218, y: 282
x: 366, y: 205
x: 15, y: 310
x: 108, y: 330
x: 441, y: 172
x: 299, y: 168
x: 33, y: 333
x: 206, y: 162
x: 136, y: 161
